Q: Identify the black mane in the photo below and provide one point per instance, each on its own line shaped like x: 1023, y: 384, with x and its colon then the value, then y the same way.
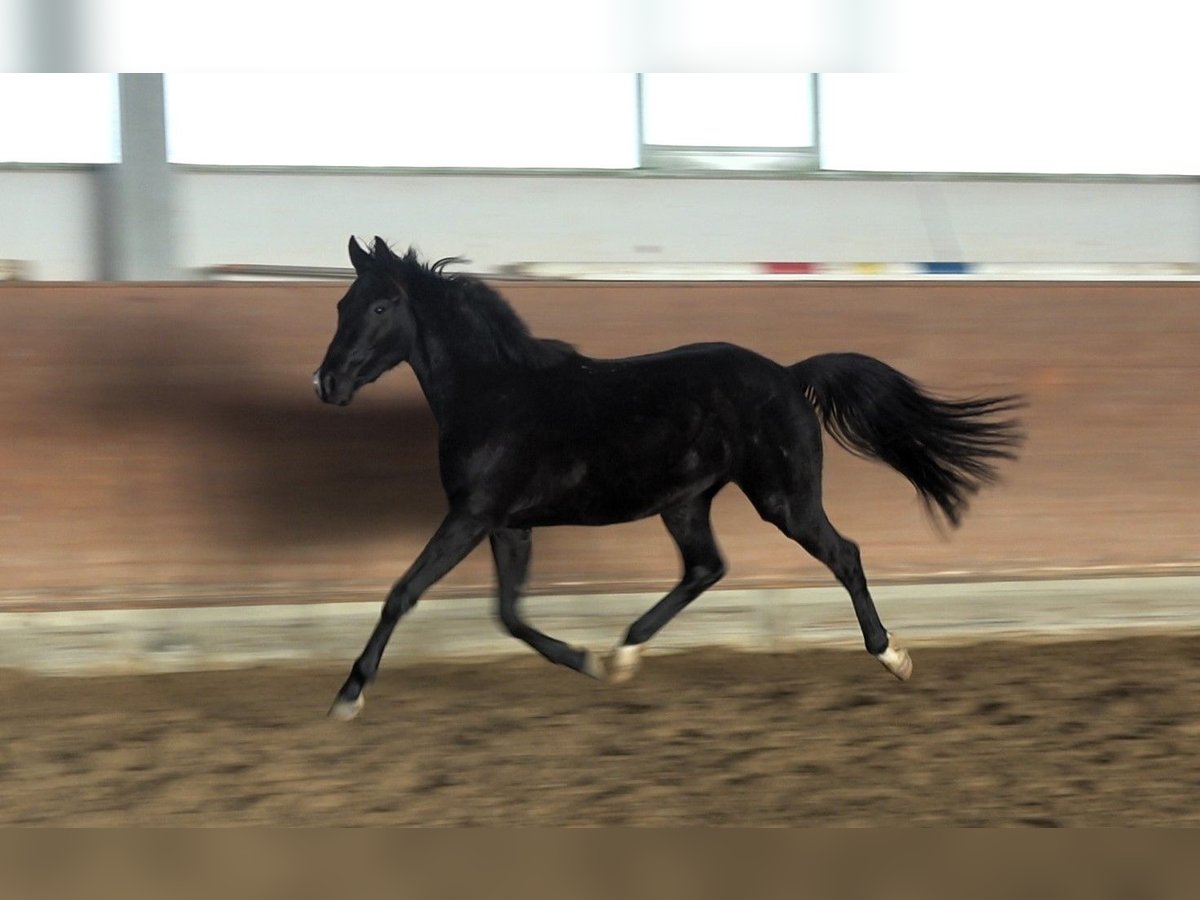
x: 471, y: 313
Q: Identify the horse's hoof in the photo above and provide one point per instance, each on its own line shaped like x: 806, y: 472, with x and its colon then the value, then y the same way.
x: 592, y: 665
x: 625, y: 662
x: 896, y: 660
x: 345, y: 710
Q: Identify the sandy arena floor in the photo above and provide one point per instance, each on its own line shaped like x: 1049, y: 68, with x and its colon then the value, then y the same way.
x: 1089, y: 733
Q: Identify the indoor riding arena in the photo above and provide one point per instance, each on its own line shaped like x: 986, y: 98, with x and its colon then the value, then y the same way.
x: 193, y: 548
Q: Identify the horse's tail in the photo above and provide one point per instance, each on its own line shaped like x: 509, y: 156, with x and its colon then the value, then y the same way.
x: 946, y: 448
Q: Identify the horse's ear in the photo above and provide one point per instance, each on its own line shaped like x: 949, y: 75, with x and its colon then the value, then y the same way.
x: 359, y: 257
x: 382, y: 250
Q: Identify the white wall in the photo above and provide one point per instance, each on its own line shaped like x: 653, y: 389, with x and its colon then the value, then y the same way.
x: 48, y: 222
x: 305, y: 218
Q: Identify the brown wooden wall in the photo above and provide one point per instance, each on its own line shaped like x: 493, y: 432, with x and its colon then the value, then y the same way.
x: 163, y: 444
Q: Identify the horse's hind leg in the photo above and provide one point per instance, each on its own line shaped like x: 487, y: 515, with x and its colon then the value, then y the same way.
x: 511, y: 550
x: 691, y: 529
x: 799, y: 515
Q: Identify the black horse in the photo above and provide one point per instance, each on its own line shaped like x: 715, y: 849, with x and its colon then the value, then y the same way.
x: 532, y: 433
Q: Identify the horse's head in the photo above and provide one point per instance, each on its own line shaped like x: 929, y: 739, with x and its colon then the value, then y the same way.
x: 375, y: 327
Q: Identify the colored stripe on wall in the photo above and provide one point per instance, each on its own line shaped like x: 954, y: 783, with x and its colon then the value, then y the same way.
x: 946, y: 268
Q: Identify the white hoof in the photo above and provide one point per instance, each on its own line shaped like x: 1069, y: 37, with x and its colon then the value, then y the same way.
x: 345, y: 710
x: 593, y: 666
x: 625, y: 662
x: 896, y: 660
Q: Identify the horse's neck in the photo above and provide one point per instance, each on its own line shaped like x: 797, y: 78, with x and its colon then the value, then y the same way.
x: 443, y: 376
x: 453, y: 364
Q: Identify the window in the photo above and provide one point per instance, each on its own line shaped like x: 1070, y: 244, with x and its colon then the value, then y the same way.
x: 1128, y: 122
x: 572, y: 121
x: 1066, y: 122
x: 579, y: 121
x: 724, y: 121
x: 52, y: 118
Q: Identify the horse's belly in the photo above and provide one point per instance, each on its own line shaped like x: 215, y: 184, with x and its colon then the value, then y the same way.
x: 605, y: 491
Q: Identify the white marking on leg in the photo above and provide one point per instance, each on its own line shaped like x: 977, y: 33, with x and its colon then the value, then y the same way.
x: 345, y: 710
x: 625, y: 662
x: 593, y: 665
x: 896, y: 660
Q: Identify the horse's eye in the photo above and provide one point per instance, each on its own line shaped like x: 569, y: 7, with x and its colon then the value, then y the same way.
x: 380, y: 310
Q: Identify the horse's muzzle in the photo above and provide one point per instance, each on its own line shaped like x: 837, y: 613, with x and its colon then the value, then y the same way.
x: 330, y: 390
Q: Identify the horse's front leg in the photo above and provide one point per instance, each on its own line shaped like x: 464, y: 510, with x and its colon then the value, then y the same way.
x: 457, y: 536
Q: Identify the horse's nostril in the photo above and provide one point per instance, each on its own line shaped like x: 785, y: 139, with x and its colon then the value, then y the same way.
x: 323, y: 383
